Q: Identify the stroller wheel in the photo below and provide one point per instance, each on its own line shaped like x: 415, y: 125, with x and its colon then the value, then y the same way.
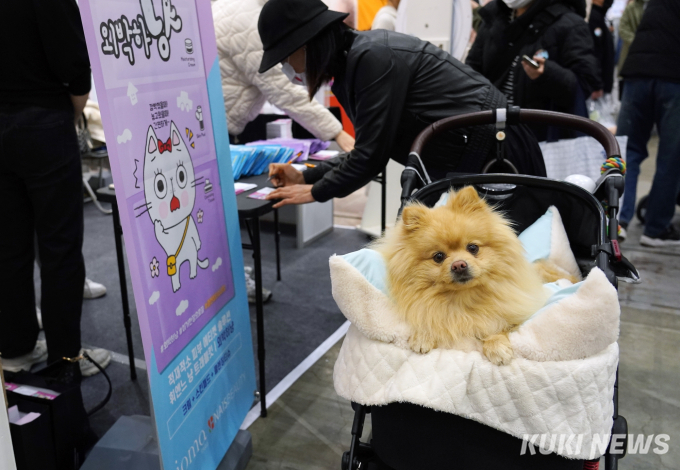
x: 345, y: 461
x: 641, y: 210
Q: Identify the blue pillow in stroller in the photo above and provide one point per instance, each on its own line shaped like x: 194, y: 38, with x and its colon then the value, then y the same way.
x: 537, y: 237
x: 371, y: 265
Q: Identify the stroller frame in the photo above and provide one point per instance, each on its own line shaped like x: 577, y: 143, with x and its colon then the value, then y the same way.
x: 416, y: 185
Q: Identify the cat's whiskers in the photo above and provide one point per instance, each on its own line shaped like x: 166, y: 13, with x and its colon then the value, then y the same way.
x: 143, y: 205
x: 144, y: 211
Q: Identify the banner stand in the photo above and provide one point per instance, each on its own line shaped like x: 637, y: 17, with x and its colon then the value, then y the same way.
x: 239, y: 452
x: 156, y: 70
x: 132, y: 443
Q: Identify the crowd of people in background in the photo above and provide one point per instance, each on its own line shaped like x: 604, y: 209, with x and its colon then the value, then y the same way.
x: 567, y: 56
x: 577, y: 61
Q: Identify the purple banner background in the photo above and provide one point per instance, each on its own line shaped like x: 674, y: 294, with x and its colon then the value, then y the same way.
x: 131, y: 85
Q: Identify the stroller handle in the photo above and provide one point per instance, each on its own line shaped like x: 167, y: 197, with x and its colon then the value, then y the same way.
x: 515, y: 115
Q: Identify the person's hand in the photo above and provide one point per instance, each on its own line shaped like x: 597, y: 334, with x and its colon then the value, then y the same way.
x: 345, y: 141
x: 532, y: 72
x: 596, y: 95
x: 79, y: 102
x: 283, y: 174
x: 296, y: 194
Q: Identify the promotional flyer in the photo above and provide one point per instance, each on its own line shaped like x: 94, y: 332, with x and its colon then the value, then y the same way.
x: 158, y: 84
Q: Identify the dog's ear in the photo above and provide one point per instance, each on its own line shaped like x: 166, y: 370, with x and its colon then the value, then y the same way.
x: 413, y: 216
x: 467, y: 198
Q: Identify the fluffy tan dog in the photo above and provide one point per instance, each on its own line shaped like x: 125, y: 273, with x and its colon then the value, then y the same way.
x: 459, y: 271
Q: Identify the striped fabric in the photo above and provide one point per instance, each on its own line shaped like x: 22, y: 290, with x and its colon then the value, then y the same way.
x: 508, y: 86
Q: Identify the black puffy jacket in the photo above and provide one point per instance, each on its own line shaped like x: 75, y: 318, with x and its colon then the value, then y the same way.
x: 392, y: 86
x: 655, y: 51
x: 571, y: 62
x: 604, y: 45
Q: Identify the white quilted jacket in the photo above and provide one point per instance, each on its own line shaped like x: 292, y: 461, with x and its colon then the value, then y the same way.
x: 245, y: 91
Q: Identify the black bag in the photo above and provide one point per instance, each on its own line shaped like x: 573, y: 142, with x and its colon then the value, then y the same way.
x: 67, y: 424
x: 32, y: 442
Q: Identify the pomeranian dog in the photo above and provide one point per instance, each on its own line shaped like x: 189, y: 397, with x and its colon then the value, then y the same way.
x: 458, y: 272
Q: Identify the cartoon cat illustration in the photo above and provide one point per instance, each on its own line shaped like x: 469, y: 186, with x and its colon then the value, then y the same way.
x: 170, y: 192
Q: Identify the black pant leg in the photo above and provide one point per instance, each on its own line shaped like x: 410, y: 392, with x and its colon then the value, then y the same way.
x: 18, y: 324
x: 51, y: 169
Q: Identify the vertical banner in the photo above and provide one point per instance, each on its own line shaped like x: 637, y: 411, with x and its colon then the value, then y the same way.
x: 158, y: 83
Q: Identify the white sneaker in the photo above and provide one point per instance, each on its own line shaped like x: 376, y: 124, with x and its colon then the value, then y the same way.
x: 670, y: 237
x: 25, y: 362
x: 100, y: 356
x: 250, y: 288
x: 38, y: 313
x: 93, y: 290
x: 623, y: 234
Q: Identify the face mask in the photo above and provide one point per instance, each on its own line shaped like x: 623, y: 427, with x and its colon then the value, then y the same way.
x: 515, y: 4
x: 293, y: 76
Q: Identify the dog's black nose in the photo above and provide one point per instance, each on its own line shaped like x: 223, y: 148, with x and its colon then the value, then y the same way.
x: 459, y: 266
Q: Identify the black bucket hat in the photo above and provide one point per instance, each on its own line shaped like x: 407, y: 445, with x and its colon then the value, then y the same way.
x: 287, y: 25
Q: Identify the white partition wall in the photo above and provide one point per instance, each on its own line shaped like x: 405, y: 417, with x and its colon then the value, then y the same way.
x: 445, y: 23
x: 6, y: 453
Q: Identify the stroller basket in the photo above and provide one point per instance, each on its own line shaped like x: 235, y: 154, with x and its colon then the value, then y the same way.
x: 400, y: 428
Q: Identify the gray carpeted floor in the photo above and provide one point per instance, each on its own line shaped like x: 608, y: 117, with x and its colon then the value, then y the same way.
x: 300, y: 316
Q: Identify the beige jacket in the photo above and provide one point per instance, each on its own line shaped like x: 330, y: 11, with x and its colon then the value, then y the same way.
x: 245, y: 90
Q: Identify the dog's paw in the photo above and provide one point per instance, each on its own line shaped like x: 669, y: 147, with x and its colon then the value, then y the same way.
x: 421, y: 345
x: 498, y: 350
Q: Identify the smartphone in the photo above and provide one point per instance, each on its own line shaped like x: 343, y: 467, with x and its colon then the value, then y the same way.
x: 530, y: 61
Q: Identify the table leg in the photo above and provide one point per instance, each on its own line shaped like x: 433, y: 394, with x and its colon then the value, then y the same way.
x: 277, y: 238
x: 118, y: 235
x: 257, y: 256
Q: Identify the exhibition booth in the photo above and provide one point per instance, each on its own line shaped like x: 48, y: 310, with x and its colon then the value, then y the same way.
x: 486, y: 313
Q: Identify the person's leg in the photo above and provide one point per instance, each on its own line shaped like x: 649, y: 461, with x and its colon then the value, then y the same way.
x: 636, y: 120
x: 53, y: 177
x: 19, y: 330
x: 666, y: 183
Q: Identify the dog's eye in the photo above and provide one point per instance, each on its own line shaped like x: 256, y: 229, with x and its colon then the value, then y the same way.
x: 473, y: 249
x: 439, y: 257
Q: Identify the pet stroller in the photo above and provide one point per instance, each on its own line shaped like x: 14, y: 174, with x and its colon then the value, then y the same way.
x: 409, y: 436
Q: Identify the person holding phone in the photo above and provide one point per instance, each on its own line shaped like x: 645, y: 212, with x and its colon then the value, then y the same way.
x: 539, y: 53
x: 392, y: 86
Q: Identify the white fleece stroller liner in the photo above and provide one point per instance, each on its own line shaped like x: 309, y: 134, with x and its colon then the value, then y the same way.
x: 560, y: 382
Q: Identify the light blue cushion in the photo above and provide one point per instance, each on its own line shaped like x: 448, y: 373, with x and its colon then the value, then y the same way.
x: 559, y: 293
x: 371, y: 265
x: 536, y: 238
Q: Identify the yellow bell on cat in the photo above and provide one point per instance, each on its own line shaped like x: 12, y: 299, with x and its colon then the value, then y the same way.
x: 172, y: 266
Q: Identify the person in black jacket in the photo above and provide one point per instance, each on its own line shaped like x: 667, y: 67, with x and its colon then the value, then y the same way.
x: 44, y: 85
x: 652, y: 96
x: 392, y: 86
x: 604, y: 45
x: 554, y: 34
